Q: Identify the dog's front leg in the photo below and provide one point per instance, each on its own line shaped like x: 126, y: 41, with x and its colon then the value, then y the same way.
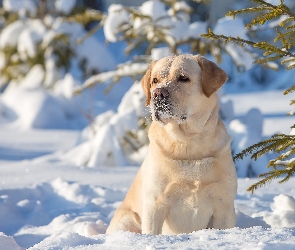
x: 224, y: 216
x: 153, y: 216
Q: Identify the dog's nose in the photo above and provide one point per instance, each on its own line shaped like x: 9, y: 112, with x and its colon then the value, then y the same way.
x: 160, y: 93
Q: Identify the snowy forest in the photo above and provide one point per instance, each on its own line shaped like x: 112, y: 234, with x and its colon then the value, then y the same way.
x: 73, y: 120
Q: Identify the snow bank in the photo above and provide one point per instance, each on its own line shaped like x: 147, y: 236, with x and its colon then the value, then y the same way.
x: 7, y: 115
x: 9, y: 35
x: 95, y: 54
x: 252, y: 238
x: 51, y: 208
x: 283, y: 214
x: 34, y: 107
x: 176, y: 26
x: 67, y: 215
x: 8, y: 243
x: 104, y: 141
x: 29, y: 105
x: 103, y: 144
x: 154, y: 9
x: 235, y: 28
x: 65, y: 6
x: 159, y: 53
x: 245, y: 132
x: 29, y: 38
x: 116, y: 17
x: 20, y: 6
x: 45, y: 204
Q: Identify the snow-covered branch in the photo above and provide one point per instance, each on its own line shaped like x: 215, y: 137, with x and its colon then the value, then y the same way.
x: 125, y: 70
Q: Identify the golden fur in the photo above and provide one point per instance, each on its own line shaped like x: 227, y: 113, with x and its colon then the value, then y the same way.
x: 187, y: 181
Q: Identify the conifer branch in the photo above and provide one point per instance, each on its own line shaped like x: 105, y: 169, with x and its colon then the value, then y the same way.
x: 291, y: 26
x: 282, y: 38
x: 292, y: 66
x: 272, y: 48
x: 290, y: 90
x: 290, y: 173
x: 280, y: 143
x: 263, y: 3
x: 265, y: 146
x: 284, y: 35
x: 277, y: 146
x: 266, y: 60
x: 124, y: 70
x: 286, y: 154
x: 267, y: 178
x: 287, y: 20
x: 234, y: 13
x: 227, y: 39
x: 261, y: 19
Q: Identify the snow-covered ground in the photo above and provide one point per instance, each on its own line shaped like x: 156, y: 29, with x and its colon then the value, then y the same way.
x: 54, y: 192
x: 272, y: 104
x: 48, y: 203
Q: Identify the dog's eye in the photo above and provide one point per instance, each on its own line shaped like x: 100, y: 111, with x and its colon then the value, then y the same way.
x: 155, y: 80
x: 182, y: 78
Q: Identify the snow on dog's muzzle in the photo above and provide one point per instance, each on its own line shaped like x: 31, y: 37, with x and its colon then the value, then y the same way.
x: 162, y: 107
x: 160, y: 94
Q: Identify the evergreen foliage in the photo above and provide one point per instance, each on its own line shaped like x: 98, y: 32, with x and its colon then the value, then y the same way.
x: 283, y: 166
x: 144, y: 33
x: 283, y: 42
x: 16, y: 65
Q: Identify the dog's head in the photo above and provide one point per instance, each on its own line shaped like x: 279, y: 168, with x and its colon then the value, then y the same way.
x: 176, y: 86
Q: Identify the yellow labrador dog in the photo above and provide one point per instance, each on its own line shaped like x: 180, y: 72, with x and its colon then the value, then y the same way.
x: 188, y: 180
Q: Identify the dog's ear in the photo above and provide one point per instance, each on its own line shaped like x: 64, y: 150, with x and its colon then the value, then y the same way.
x: 146, y: 83
x: 213, y: 77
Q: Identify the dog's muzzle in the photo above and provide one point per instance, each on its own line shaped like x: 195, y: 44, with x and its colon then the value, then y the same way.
x: 161, y: 103
x: 160, y: 94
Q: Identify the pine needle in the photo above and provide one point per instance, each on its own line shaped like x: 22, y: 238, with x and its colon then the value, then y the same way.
x: 290, y: 90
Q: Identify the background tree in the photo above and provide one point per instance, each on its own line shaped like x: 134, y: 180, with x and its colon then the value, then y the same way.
x: 282, y: 49
x: 40, y: 48
x: 150, y: 31
x: 154, y: 24
x: 44, y: 34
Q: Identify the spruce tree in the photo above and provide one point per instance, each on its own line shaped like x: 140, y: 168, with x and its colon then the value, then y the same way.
x: 16, y: 63
x: 282, y: 49
x: 143, y: 33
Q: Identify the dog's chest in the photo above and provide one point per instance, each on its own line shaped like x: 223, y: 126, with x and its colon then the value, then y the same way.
x: 188, y: 194
x: 185, y: 208
x: 193, y: 170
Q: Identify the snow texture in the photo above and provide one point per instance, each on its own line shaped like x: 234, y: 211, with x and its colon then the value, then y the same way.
x: 29, y: 38
x: 246, y: 133
x: 55, y: 189
x: 110, y: 129
x: 158, y: 53
x: 176, y: 26
x: 235, y: 28
x: 116, y: 17
x: 8, y: 243
x: 289, y: 3
x: 70, y: 208
x: 20, y: 6
x: 9, y: 35
x: 65, y: 6
x: 26, y: 97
